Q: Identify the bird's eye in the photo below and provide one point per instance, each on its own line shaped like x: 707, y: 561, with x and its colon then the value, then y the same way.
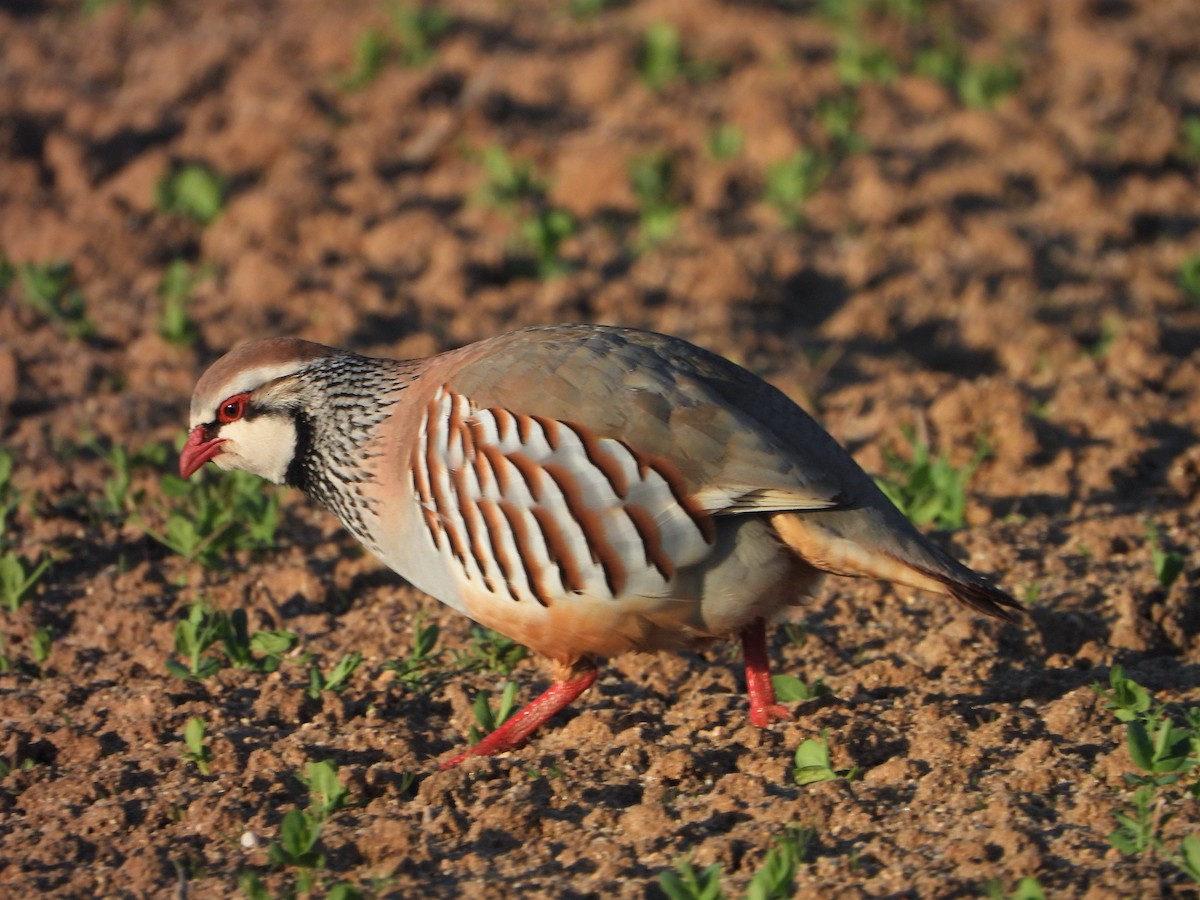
x: 232, y: 409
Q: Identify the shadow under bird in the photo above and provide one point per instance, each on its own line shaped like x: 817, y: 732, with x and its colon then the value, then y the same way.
x: 584, y: 490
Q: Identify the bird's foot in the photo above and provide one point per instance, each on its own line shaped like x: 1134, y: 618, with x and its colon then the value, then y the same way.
x: 762, y: 716
x: 513, y: 733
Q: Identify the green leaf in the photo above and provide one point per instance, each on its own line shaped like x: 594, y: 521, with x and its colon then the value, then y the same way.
x: 790, y: 689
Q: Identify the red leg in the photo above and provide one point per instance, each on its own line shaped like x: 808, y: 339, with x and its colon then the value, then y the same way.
x: 517, y: 730
x: 763, y: 708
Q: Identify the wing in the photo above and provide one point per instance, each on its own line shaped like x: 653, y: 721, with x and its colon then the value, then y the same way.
x: 534, y: 508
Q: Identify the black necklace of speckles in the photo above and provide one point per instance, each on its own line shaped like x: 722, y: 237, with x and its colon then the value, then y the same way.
x: 342, y: 399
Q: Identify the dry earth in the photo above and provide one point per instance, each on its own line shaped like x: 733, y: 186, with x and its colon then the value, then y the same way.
x: 1006, y: 273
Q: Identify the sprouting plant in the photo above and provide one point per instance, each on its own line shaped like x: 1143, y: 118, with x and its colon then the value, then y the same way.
x: 790, y: 689
x: 725, y: 142
x: 1189, y: 270
x: 9, y: 498
x: 838, y: 114
x: 1137, y: 827
x: 510, y: 182
x: 207, y: 516
x: 240, y: 645
x: 1028, y: 888
x: 490, y: 651
x: 414, y: 671
x: 48, y: 290
x: 418, y: 28
x: 1168, y: 564
x: 791, y: 182
x: 582, y: 10
x: 326, y: 793
x: 512, y: 186
x: 930, y: 490
x: 18, y: 578
x: 813, y: 763
x: 660, y: 59
x: 775, y: 878
x: 338, y: 678
x: 201, y: 629
x: 543, y: 233
x: 119, y: 497
x: 369, y: 55
x: 40, y: 645
x: 1189, y: 138
x: 652, y: 178
x: 300, y: 830
x: 487, y: 718
x: 1165, y: 747
x: 194, y: 191
x: 861, y: 62
x: 175, y: 289
x: 197, y: 752
x: 685, y: 883
x: 1188, y: 858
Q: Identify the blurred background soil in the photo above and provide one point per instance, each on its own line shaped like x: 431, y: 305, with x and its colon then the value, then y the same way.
x: 967, y: 226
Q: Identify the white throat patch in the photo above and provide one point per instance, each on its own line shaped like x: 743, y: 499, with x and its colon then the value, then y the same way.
x: 264, y: 445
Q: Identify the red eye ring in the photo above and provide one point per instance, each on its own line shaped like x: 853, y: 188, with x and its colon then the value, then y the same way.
x: 233, y: 408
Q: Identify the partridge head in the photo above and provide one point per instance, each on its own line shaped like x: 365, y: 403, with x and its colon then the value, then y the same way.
x: 584, y: 490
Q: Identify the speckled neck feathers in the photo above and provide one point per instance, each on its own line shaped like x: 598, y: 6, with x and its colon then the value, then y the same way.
x: 339, y: 402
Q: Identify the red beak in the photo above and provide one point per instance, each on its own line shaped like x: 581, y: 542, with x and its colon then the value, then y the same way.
x: 197, y: 451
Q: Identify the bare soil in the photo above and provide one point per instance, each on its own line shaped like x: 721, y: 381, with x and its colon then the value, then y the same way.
x: 1006, y: 274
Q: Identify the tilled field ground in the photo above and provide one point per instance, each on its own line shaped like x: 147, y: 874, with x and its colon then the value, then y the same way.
x: 975, y: 224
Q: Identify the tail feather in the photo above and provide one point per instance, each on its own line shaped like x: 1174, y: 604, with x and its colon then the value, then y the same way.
x: 897, y: 553
x: 977, y: 594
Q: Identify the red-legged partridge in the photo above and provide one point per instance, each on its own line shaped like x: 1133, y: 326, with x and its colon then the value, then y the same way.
x: 583, y: 490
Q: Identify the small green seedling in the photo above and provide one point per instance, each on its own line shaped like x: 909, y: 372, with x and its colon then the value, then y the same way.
x: 838, y: 115
x: 241, y: 646
x: 490, y: 651
x: 193, y: 738
x: 928, y: 490
x: 193, y: 191
x: 488, y: 719
x: 1189, y: 138
x: 861, y: 62
x: 543, y: 233
x: 510, y: 182
x: 652, y: 178
x: 18, y: 578
x: 415, y: 671
x: 208, y: 516
x: 300, y: 830
x: 175, y: 288
x: 9, y: 498
x: 1188, y: 858
x: 660, y: 59
x: 369, y: 55
x: 1138, y: 827
x: 418, y: 28
x: 685, y: 883
x: 194, y: 635
x: 791, y: 182
x: 1127, y: 699
x: 48, y: 290
x: 813, y: 763
x: 326, y: 793
x: 1189, y: 270
x: 337, y: 680
x: 542, y: 228
x: 1028, y: 888
x: 40, y: 644
x: 725, y: 142
x: 776, y: 877
x: 1168, y: 564
x: 790, y: 689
